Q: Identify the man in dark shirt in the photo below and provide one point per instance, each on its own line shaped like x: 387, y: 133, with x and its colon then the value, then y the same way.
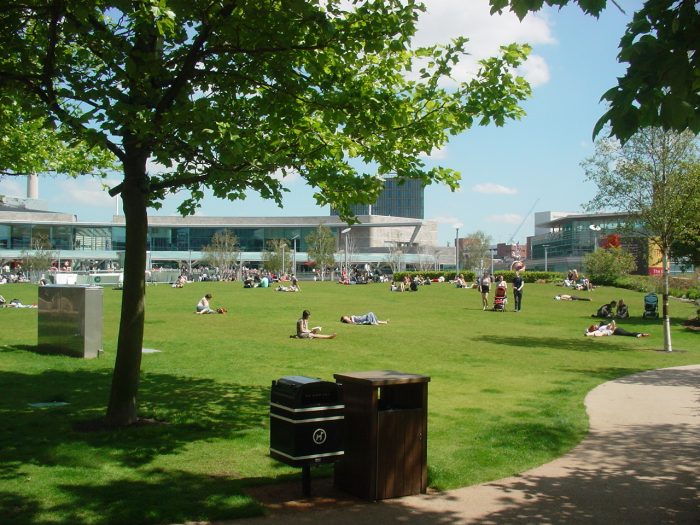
x: 518, y: 284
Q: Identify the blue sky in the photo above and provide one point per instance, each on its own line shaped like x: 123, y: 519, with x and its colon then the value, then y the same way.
x: 504, y: 170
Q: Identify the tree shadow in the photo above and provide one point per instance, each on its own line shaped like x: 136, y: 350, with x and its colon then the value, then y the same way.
x: 572, y: 344
x: 193, y: 408
x: 163, y: 497
x: 641, y: 474
x: 676, y: 376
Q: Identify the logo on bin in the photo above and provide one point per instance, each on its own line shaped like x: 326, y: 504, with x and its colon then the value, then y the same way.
x: 319, y: 436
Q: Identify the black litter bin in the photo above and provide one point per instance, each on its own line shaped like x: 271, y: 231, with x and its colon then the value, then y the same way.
x: 306, y: 421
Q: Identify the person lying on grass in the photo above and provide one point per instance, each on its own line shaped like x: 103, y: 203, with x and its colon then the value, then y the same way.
x: 567, y: 297
x: 304, y: 332
x: 601, y: 330
x: 368, y: 318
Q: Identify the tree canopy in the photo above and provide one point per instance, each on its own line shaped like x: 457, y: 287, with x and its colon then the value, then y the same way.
x: 31, y: 145
x: 233, y: 95
x: 660, y: 47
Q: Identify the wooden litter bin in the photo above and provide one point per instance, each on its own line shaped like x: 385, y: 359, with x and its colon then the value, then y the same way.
x: 386, y: 425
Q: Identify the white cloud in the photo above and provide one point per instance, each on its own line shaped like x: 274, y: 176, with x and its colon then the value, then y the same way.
x: 291, y: 176
x: 11, y: 187
x: 506, y: 218
x: 490, y: 188
x: 535, y: 70
x: 447, y: 19
x: 86, y: 191
x: 437, y: 154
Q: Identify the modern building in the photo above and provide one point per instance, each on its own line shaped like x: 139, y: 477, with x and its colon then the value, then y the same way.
x: 174, y: 241
x: 397, y: 199
x: 568, y: 238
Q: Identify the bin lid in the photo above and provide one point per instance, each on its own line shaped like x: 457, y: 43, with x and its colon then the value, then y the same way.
x: 381, y: 377
x: 297, y: 380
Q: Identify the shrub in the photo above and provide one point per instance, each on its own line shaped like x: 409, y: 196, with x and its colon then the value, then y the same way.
x: 606, y: 265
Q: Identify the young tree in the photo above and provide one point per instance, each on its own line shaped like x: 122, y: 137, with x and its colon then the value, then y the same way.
x: 476, y: 251
x: 223, y: 252
x: 278, y: 257
x: 660, y: 47
x: 320, y: 247
x: 427, y: 258
x: 228, y: 95
x: 607, y: 264
x: 394, y: 255
x: 654, y: 178
x: 39, y: 259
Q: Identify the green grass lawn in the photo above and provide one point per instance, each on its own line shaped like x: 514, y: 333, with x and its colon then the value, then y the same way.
x: 506, y: 392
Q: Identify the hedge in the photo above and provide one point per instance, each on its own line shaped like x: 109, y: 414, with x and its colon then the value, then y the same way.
x: 470, y: 276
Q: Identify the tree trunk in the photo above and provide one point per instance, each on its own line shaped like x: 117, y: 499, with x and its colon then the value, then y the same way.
x: 667, y: 320
x: 122, y: 408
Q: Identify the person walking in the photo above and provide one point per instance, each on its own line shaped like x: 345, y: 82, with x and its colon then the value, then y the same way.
x: 484, y: 286
x: 518, y: 284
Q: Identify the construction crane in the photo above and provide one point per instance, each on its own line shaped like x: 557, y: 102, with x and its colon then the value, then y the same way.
x: 512, y: 237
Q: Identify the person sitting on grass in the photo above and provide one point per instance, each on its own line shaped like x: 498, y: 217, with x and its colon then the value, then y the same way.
x: 368, y: 318
x: 601, y: 330
x: 304, y: 332
x: 622, y: 312
x: 203, y: 305
x: 607, y: 311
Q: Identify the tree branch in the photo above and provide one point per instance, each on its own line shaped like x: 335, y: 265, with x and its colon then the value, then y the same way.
x: 189, y: 64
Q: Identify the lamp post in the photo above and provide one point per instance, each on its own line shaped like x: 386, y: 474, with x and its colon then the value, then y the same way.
x: 545, y: 246
x: 345, y: 232
x: 457, y: 227
x: 492, y: 251
x: 595, y: 229
x: 283, y: 244
x: 294, y: 254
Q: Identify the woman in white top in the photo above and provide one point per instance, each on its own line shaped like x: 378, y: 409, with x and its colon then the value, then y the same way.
x: 203, y: 305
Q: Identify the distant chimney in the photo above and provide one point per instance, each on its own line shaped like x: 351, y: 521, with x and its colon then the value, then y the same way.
x: 33, y: 186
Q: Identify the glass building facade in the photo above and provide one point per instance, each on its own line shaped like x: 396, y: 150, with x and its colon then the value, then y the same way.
x: 572, y: 237
x: 92, y: 238
x: 395, y: 200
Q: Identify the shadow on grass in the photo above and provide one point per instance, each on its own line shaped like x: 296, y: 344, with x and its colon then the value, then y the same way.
x: 641, y: 474
x: 683, y: 377
x: 193, y: 409
x: 573, y: 344
x: 160, y: 497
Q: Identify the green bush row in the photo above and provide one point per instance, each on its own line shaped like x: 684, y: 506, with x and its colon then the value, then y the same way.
x: 678, y: 286
x: 470, y: 276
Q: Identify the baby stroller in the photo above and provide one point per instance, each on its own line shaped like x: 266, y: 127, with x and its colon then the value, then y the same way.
x: 651, y: 306
x: 500, y: 299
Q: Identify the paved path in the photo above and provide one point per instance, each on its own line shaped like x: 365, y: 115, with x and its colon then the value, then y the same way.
x: 640, y: 464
